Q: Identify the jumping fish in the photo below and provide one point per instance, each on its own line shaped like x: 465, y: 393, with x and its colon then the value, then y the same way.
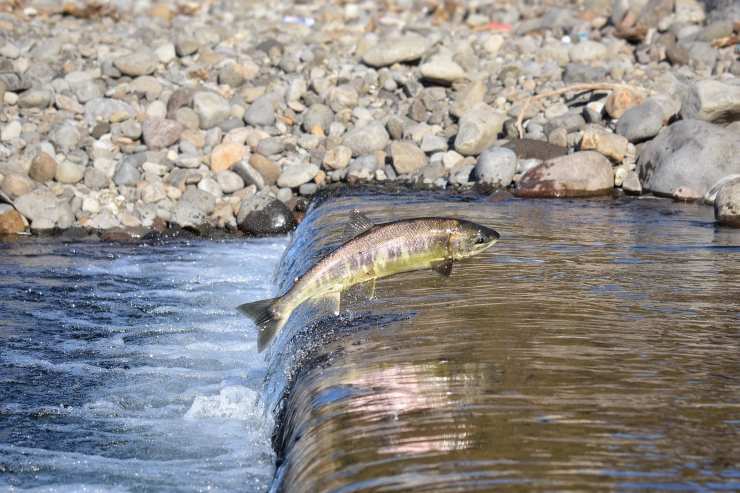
x: 372, y: 251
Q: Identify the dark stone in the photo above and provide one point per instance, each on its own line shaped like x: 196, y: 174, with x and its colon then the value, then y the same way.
x: 535, y: 149
x: 274, y: 218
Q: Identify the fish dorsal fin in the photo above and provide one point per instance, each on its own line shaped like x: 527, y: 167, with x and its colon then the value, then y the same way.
x: 358, y: 223
x: 443, y: 267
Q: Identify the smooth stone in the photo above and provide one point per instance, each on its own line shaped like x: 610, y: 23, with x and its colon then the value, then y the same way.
x: 727, y: 205
x: 587, y: 51
x: 266, y: 167
x: 261, y: 112
x: 296, y: 175
x: 11, y: 132
x: 642, y: 122
x: 690, y: 153
x: 478, y: 129
x: 11, y: 221
x: 712, y: 101
x: 407, y: 157
x: 337, y: 157
x: 579, y: 72
x: 15, y: 184
x: 225, y: 155
x: 496, y: 167
x: 270, y: 146
x: 159, y: 133
x: 69, y: 172
x: 318, y: 116
x: 127, y: 173
x: 66, y: 136
x: 405, y: 48
x: 211, y: 186
x: 211, y: 108
x: 95, y: 179
x: 442, y: 69
x: 581, y: 174
x: 44, y: 210
x: 34, y: 98
x: 433, y: 143
x: 43, y: 168
x: 229, y: 181
x: 137, y: 64
x: 610, y: 145
x: 107, y: 110
x: 366, y: 139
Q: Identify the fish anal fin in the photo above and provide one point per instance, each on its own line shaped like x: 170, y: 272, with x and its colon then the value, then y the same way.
x: 443, y: 267
x: 358, y: 223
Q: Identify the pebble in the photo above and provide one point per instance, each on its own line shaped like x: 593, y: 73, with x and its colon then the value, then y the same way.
x: 69, y: 172
x: 159, y: 133
x: 261, y: 112
x: 479, y: 129
x: 396, y: 49
x: 15, y: 184
x: 442, y: 69
x: 126, y: 173
x: 11, y: 221
x: 296, y: 175
x: 587, y: 51
x: 366, y: 139
x: 225, y: 155
x: 138, y: 63
x: 266, y: 167
x: 211, y: 108
x: 337, y: 157
x: 11, y: 132
x: 407, y: 157
x: 229, y: 181
x: 34, y: 98
x: 318, y: 117
x: 43, y: 168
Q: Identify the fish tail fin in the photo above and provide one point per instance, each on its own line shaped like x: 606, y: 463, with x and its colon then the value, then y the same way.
x: 267, y: 319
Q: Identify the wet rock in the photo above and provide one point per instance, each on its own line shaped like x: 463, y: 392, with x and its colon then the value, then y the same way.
x: 642, y: 122
x: 296, y: 175
x: 43, y: 168
x: 11, y: 221
x: 581, y: 174
x: 610, y: 145
x: 396, y: 49
x: 496, y: 167
x: 159, y: 133
x: 69, y: 172
x: 225, y: 155
x: 263, y: 215
x: 479, y: 128
x: 712, y: 101
x: 692, y: 154
x: 407, y: 157
x: 211, y: 108
x: 366, y: 139
x: 14, y: 185
x: 727, y: 205
x: 535, y: 149
x: 136, y: 64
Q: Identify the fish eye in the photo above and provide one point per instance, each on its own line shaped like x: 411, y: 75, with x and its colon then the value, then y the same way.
x: 480, y: 239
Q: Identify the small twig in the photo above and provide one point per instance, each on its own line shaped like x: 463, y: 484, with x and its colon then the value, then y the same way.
x: 584, y: 87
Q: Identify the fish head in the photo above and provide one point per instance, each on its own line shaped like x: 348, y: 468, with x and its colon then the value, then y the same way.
x: 470, y: 239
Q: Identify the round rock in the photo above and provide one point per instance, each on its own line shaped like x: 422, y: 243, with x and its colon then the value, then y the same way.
x: 727, y: 205
x: 496, y: 167
x: 582, y: 174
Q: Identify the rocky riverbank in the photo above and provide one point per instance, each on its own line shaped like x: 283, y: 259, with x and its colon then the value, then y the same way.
x: 226, y: 114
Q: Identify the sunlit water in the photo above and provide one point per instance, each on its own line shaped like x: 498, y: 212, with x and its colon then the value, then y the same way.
x: 595, y: 347
x: 126, y: 368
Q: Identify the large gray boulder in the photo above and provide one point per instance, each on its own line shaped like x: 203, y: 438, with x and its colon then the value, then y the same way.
x: 691, y: 155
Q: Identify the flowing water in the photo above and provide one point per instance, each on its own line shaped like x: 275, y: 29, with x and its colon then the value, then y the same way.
x: 595, y: 347
x: 125, y: 367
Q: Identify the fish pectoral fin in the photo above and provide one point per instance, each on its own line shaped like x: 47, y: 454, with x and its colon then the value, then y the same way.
x: 358, y: 223
x: 443, y: 267
x: 361, y: 291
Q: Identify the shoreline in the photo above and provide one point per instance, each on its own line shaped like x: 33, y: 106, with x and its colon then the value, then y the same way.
x: 152, y: 116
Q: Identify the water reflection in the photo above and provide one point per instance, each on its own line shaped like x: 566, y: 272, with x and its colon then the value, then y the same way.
x: 596, y: 345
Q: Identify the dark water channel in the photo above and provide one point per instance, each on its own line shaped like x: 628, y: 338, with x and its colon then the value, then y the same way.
x: 595, y: 347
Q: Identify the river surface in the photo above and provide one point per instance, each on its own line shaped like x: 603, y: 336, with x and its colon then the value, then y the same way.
x: 124, y: 367
x: 595, y: 347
